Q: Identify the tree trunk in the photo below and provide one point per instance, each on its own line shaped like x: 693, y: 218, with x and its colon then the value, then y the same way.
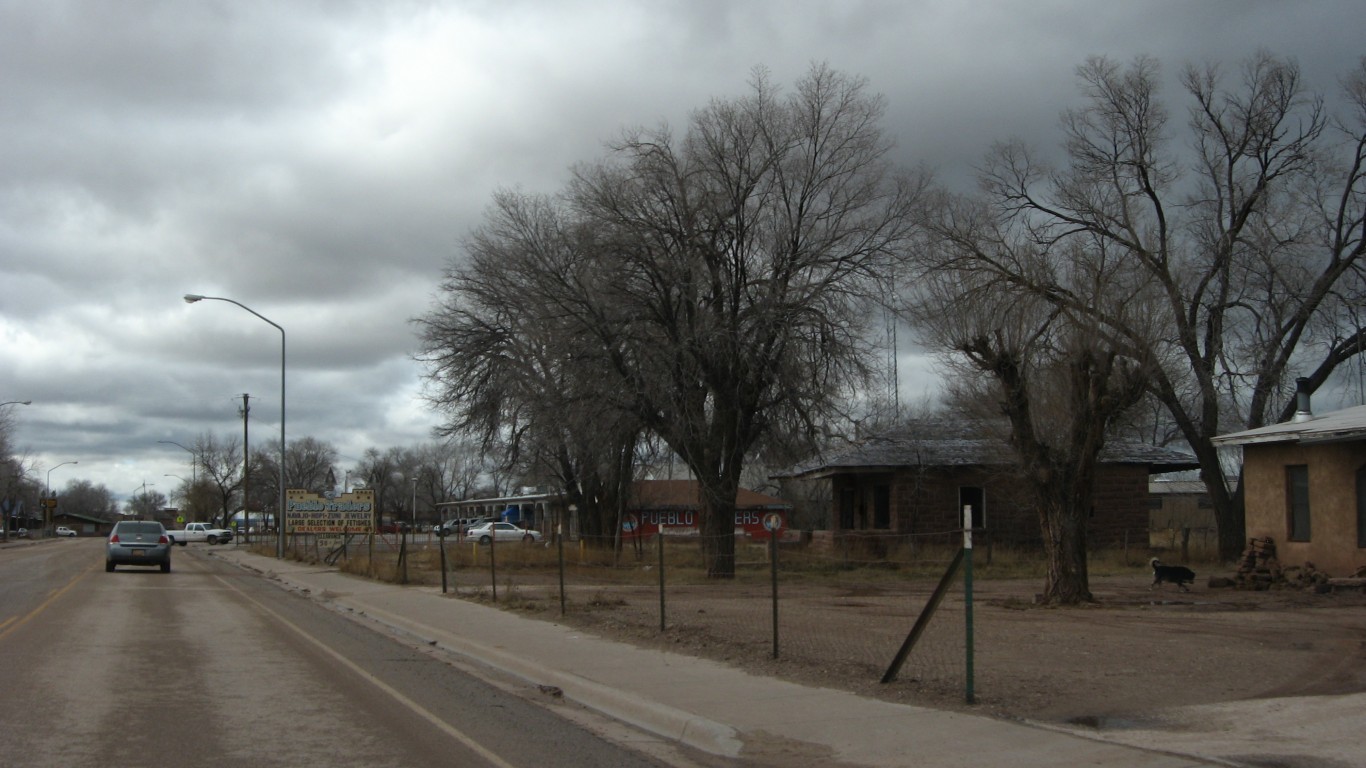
x: 718, y: 526
x: 1064, y: 541
x: 1227, y: 505
x: 1230, y: 519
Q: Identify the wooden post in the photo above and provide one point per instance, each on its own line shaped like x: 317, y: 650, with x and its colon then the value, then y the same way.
x: 773, y: 570
x: 660, y: 535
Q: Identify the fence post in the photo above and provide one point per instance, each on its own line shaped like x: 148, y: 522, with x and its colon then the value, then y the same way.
x: 493, y: 559
x: 773, y: 569
x: 559, y: 545
x: 441, y: 544
x: 967, y: 598
x: 660, y: 536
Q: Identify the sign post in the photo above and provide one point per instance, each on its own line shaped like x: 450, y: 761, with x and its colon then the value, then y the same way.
x: 967, y: 598
x: 773, y: 522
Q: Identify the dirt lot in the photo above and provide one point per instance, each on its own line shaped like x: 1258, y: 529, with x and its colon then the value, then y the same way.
x: 1128, y: 657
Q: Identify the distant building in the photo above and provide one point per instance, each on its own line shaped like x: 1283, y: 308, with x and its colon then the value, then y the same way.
x: 1181, y: 515
x: 675, y: 506
x: 530, y: 510
x: 671, y: 504
x: 83, y: 525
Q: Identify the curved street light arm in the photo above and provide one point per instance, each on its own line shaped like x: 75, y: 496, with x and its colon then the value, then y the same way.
x: 191, y: 298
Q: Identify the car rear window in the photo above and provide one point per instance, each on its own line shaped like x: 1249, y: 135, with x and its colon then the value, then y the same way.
x: 128, y: 527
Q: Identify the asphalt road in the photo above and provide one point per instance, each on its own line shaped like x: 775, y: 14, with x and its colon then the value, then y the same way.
x: 213, y: 666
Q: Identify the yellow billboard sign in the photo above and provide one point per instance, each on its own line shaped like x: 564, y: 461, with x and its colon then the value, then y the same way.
x: 307, y: 512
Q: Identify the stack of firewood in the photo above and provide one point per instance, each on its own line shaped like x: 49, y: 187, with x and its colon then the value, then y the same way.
x: 1304, y: 577
x: 1258, y: 568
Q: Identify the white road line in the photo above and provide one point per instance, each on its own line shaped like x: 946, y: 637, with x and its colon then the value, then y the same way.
x: 389, y: 690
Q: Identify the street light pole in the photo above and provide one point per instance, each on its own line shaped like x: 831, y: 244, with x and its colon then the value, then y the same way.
x: 191, y: 298
x: 194, y: 459
x: 47, y: 511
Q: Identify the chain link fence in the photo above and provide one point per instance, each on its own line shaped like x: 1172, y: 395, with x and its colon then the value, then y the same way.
x: 842, y: 604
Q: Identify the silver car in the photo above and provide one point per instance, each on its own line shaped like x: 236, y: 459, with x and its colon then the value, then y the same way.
x: 486, y: 532
x: 138, y: 542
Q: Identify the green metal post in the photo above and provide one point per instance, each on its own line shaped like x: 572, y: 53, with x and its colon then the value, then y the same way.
x: 967, y: 598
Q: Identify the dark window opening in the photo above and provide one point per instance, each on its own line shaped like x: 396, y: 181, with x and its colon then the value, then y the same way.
x: 882, y: 508
x: 975, y: 497
x: 1297, y: 501
x: 1361, y: 507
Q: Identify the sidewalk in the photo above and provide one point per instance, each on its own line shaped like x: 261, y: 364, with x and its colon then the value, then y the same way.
x: 698, y: 702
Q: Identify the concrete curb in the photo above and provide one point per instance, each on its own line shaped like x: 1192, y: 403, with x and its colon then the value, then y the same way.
x: 648, y: 715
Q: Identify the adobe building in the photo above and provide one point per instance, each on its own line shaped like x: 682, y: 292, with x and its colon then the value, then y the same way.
x: 1305, y: 483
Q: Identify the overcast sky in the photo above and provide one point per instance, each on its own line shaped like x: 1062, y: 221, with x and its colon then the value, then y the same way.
x: 320, y: 162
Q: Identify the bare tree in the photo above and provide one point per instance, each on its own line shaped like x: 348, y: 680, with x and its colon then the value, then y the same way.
x: 449, y: 470
x: 83, y: 497
x: 1060, y: 382
x: 220, y: 465
x: 732, y: 270
x: 311, y: 465
x: 146, y: 505
x: 389, y: 475
x: 1247, y: 247
x: 265, y: 481
x: 510, y: 370
x: 18, y: 491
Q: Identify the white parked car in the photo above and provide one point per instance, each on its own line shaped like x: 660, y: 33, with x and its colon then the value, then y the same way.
x: 62, y: 530
x: 486, y: 532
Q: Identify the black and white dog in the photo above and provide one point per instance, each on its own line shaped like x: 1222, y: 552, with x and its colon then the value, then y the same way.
x: 1179, y: 575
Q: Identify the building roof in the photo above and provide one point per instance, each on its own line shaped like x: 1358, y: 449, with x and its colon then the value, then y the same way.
x: 1177, y: 487
x: 1187, y: 486
x: 687, y: 494
x: 80, y: 516
x: 965, y: 444
x: 521, y: 498
x: 1333, y: 427
x: 645, y: 494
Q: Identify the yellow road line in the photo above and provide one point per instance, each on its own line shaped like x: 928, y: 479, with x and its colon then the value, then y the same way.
x: 12, y: 623
x: 388, y: 690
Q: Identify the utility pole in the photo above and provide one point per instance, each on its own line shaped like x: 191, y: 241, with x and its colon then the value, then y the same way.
x: 246, y: 470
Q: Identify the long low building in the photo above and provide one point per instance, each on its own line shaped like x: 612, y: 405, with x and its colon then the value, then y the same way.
x: 918, y: 480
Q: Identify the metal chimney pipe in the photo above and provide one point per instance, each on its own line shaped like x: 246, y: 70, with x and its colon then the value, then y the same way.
x: 1303, y: 410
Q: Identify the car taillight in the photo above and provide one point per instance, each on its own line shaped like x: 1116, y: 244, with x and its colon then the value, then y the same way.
x: 114, y: 539
x: 163, y: 539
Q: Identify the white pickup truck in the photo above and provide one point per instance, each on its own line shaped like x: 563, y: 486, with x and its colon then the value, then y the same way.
x: 200, y: 532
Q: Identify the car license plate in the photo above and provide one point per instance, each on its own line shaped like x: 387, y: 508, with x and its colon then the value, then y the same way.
x: 137, y: 553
